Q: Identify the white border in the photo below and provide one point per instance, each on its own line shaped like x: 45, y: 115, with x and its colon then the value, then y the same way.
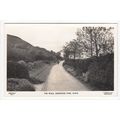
x: 82, y: 94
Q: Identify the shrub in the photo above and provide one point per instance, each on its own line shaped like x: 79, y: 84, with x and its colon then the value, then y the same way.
x: 101, y: 73
x: 16, y: 70
x: 110, y: 76
x: 15, y: 84
x: 100, y: 69
x: 47, y: 61
x: 96, y: 75
x: 22, y: 62
x: 35, y: 80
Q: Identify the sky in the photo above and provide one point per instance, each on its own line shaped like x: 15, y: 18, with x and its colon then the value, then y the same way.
x: 49, y: 36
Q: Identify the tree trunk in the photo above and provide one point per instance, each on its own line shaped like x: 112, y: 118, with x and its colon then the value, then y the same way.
x: 96, y: 48
x: 91, y: 43
x: 74, y: 55
x: 96, y: 45
x: 91, y: 49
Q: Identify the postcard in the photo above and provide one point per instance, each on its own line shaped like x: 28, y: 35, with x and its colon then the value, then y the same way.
x: 60, y: 59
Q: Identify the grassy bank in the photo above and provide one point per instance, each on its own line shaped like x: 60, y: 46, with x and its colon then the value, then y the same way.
x: 39, y: 75
x: 98, y: 72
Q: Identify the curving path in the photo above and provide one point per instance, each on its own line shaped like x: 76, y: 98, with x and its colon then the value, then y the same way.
x: 60, y: 80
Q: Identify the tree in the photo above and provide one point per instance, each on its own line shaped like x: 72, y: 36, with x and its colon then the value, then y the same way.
x: 91, y: 41
x: 97, y: 40
x: 66, y: 51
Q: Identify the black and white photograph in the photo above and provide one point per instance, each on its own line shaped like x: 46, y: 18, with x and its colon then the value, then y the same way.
x: 60, y: 57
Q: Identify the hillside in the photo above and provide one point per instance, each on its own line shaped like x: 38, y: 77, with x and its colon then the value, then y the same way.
x: 18, y: 49
x: 27, y: 65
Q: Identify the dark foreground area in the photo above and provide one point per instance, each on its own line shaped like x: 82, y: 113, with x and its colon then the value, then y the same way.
x: 96, y: 72
x: 22, y: 76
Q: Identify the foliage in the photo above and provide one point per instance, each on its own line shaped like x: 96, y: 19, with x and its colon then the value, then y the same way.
x: 100, y: 69
x: 16, y: 70
x: 90, y: 41
x: 15, y: 84
x: 18, y: 49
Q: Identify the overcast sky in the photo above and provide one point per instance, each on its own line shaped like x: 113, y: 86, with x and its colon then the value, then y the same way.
x: 49, y: 36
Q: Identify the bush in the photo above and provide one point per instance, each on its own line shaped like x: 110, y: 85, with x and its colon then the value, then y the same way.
x: 96, y: 75
x: 47, y: 61
x: 110, y: 76
x: 22, y: 62
x: 101, y: 73
x: 15, y: 84
x: 35, y: 80
x: 16, y: 70
x: 100, y: 69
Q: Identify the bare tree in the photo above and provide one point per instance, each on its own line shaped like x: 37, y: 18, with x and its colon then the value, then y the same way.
x: 96, y: 39
x: 91, y: 41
